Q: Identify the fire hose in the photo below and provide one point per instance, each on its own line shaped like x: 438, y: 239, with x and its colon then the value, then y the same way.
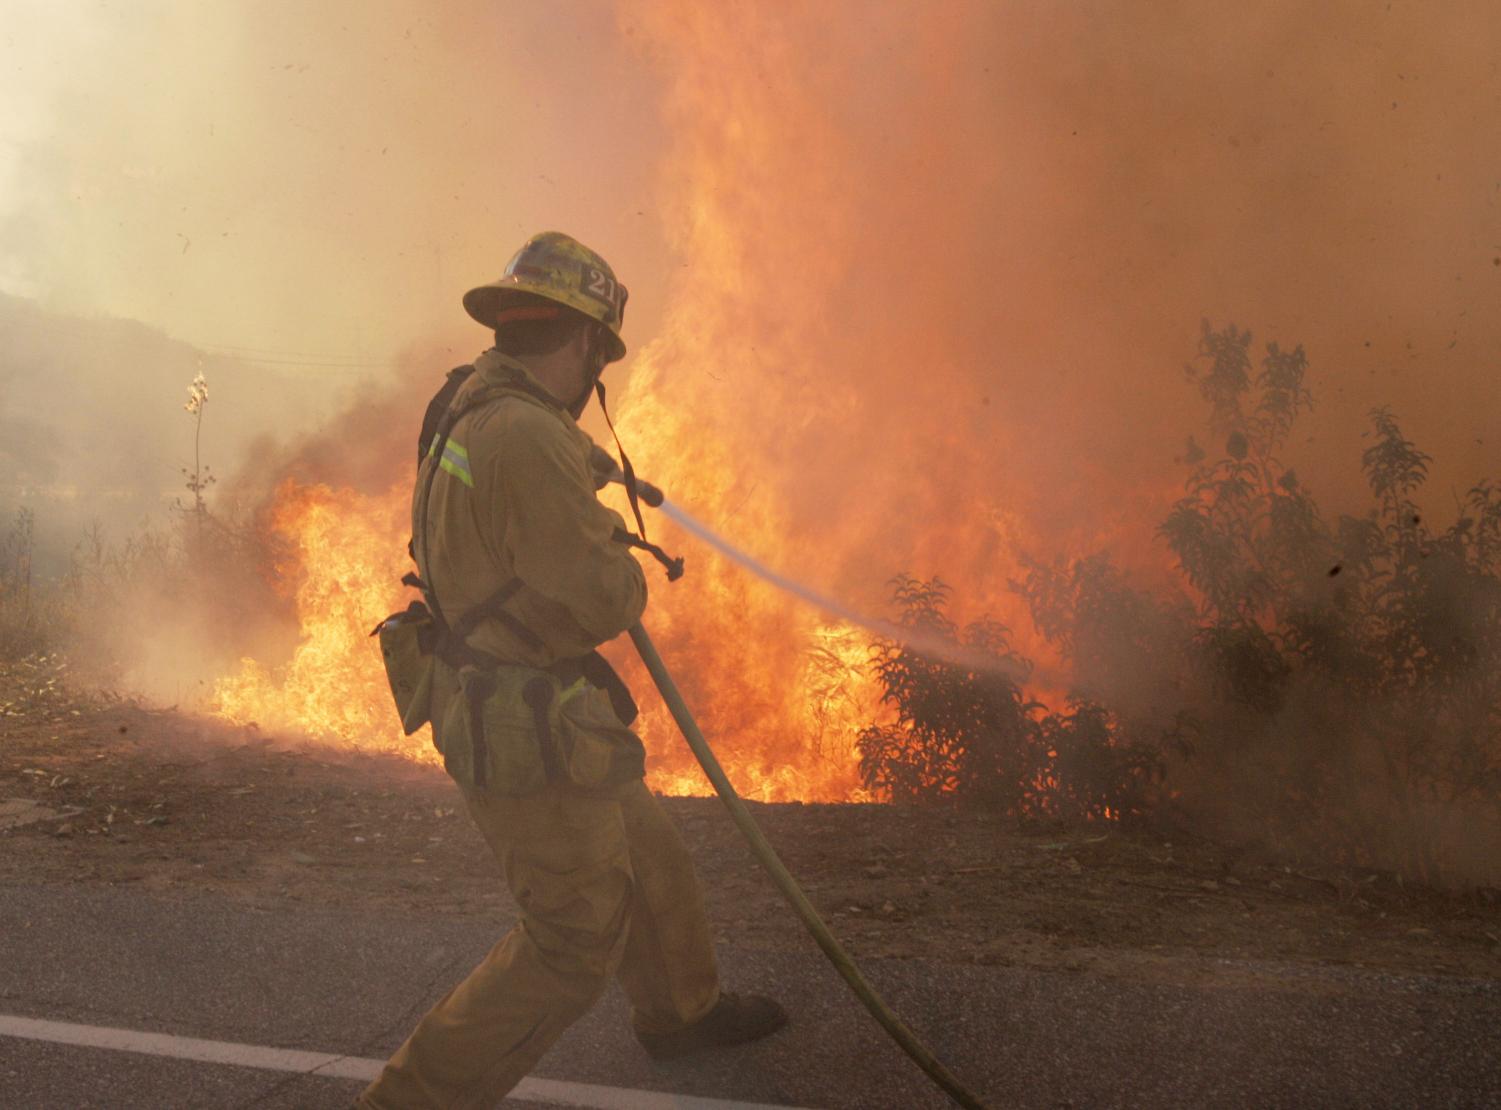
x: 788, y: 885
x: 607, y: 470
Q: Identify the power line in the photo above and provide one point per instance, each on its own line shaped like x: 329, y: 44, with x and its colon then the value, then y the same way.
x: 351, y: 367
x: 263, y: 355
x: 310, y: 357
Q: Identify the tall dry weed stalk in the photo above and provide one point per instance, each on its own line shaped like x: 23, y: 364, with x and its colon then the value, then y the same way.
x: 20, y: 629
x: 200, y: 477
x: 160, y: 611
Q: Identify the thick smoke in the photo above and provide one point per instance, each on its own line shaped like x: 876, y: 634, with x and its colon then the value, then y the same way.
x: 950, y: 262
x: 311, y: 183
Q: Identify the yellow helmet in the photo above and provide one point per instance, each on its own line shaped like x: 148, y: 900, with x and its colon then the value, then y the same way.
x: 561, y: 269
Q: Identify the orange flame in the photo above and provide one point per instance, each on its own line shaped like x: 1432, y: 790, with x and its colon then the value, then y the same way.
x: 345, y: 561
x: 346, y: 565
x: 782, y: 403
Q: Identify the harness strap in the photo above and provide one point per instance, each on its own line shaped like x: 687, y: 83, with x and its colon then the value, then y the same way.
x: 438, y: 406
x: 490, y: 607
x: 450, y: 388
x: 477, y: 686
x: 538, y: 695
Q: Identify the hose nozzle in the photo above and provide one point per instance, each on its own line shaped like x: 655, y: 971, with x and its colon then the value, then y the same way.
x: 606, y: 469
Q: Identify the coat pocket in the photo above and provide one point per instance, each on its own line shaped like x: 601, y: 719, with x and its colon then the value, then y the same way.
x: 599, y: 751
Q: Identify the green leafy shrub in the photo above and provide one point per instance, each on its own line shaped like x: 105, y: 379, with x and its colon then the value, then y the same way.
x: 966, y: 732
x: 961, y: 732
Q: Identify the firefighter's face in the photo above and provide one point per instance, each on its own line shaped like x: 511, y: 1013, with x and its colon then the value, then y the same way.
x: 592, y: 357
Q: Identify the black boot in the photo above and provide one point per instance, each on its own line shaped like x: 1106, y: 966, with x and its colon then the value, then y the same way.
x: 735, y: 1019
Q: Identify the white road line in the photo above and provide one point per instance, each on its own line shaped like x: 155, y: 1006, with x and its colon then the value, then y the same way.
x: 556, y: 1091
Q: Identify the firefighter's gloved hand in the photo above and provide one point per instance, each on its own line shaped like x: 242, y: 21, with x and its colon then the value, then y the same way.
x: 604, y: 467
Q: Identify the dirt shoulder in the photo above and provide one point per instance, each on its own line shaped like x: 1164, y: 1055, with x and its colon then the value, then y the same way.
x: 95, y: 790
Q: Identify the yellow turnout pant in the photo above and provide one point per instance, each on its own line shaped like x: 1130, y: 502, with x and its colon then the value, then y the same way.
x: 605, y: 888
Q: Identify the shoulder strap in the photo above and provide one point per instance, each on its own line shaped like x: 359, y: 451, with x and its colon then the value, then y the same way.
x: 450, y: 388
x: 438, y: 406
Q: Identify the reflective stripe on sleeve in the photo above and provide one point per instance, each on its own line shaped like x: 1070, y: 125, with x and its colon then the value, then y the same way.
x: 455, y: 461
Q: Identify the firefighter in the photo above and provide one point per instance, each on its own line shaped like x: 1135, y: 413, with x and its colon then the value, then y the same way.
x: 526, y: 574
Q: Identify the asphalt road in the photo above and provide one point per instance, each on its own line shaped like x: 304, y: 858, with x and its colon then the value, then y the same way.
x: 292, y: 976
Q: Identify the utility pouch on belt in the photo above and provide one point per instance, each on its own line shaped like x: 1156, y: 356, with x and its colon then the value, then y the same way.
x: 407, y: 640
x: 514, y: 729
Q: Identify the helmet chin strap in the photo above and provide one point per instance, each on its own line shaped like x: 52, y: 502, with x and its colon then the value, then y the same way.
x: 596, y: 368
x: 581, y: 402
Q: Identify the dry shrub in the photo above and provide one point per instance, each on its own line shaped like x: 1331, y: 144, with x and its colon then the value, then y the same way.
x: 1339, y: 681
x: 1328, y: 687
x: 25, y: 610
x: 158, y: 613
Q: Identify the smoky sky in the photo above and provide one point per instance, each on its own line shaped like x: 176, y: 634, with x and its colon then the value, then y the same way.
x: 1010, y: 215
x: 312, y: 181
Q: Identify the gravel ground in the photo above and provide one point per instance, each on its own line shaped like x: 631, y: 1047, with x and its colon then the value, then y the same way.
x: 107, y: 792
